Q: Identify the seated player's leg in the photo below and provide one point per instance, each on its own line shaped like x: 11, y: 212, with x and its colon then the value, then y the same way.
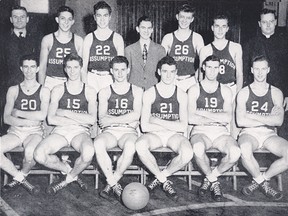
x: 181, y: 145
x: 248, y: 144
x: 279, y: 147
x: 45, y: 152
x: 144, y: 145
x: 201, y: 143
x: 83, y: 144
x: 102, y: 143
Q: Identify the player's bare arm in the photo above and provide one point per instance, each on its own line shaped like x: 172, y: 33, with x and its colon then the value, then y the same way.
x: 239, y: 64
x: 86, y: 49
x: 118, y: 43
x: 167, y: 42
x: 79, y: 45
x: 46, y: 46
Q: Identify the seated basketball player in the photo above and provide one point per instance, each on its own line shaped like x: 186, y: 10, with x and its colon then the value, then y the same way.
x: 259, y: 111
x: 119, y: 114
x: 72, y: 110
x: 210, y: 111
x: 164, y: 121
x: 26, y: 108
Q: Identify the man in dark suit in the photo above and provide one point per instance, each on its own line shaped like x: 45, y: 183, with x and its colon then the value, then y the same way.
x: 144, y: 55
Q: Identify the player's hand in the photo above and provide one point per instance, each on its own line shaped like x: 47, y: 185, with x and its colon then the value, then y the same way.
x: 105, y: 122
x: 276, y: 110
x: 14, y: 113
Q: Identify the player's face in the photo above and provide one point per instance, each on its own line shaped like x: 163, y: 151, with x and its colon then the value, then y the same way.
x: 167, y: 73
x: 29, y: 69
x: 102, y: 18
x: 220, y: 28
x: 120, y: 72
x: 19, y: 19
x: 211, y: 69
x: 184, y: 19
x: 73, y: 70
x: 145, y: 29
x: 65, y: 21
x: 260, y: 69
x: 267, y: 24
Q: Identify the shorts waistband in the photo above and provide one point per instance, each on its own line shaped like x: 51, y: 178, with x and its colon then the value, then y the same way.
x: 231, y: 84
x: 60, y: 78
x: 100, y: 73
x: 184, y: 77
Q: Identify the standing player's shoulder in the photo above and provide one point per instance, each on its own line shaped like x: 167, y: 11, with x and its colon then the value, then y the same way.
x: 78, y: 38
x: 117, y: 36
x: 47, y: 39
x: 275, y: 90
x: 137, y: 89
x: 44, y: 90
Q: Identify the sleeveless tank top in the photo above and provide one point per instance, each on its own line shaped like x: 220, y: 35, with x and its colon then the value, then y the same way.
x: 25, y: 102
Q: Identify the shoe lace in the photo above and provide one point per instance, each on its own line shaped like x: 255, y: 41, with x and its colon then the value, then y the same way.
x: 107, y: 189
x: 27, y: 185
x: 168, y: 187
x: 215, y: 187
x: 268, y: 189
x: 205, y: 184
x: 154, y: 184
x: 81, y: 182
x: 253, y: 186
x: 59, y: 186
x: 117, y: 189
x: 13, y: 183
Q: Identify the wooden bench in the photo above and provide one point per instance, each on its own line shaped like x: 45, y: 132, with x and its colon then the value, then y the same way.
x: 90, y: 170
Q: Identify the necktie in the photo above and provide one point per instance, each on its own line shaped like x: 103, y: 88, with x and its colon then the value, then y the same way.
x: 21, y: 35
x: 145, y: 52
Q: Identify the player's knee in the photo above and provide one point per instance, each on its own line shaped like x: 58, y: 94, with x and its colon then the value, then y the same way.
x: 199, y: 149
x: 141, y: 147
x: 246, y: 151
x: 99, y: 146
x: 130, y: 149
x: 186, y: 152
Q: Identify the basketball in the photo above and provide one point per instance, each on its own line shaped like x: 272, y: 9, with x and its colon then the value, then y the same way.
x: 135, y: 196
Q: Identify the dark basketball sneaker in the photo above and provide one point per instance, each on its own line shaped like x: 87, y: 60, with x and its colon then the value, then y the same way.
x: 82, y: 184
x: 270, y: 192
x: 106, y: 192
x: 204, y: 187
x: 168, y: 189
x: 216, y: 191
x: 117, y: 190
x: 55, y: 187
x: 10, y: 186
x: 30, y: 188
x: 153, y: 184
x: 248, y: 190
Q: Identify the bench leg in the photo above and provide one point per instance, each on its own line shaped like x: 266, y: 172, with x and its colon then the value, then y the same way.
x: 280, y: 185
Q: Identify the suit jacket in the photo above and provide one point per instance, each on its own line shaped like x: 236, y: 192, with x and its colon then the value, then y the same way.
x: 144, y: 75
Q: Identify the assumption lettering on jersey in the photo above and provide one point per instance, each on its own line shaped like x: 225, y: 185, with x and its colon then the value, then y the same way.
x: 258, y: 108
x: 59, y: 56
x: 166, y: 112
x: 224, y: 63
x: 181, y: 53
x: 120, y: 107
x: 74, y: 105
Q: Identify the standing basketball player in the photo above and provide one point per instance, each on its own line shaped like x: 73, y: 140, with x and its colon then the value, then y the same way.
x: 119, y: 114
x: 210, y: 110
x: 259, y: 111
x: 55, y: 46
x: 184, y: 46
x: 164, y: 121
x: 100, y: 47
x: 25, y: 110
x: 72, y: 110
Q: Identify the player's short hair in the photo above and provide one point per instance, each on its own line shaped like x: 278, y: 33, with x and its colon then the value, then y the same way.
x: 18, y: 7
x: 220, y: 16
x: 102, y: 5
x: 186, y: 8
x: 63, y: 9
x: 259, y: 59
x: 211, y: 58
x: 144, y: 18
x: 28, y: 57
x: 73, y: 57
x: 119, y: 59
x: 267, y: 11
x: 166, y: 60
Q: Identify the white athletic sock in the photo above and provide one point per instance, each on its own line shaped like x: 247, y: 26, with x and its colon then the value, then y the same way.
x: 165, y: 173
x: 19, y: 177
x: 211, y: 177
x: 259, y: 179
x: 215, y: 172
x: 117, y: 176
x: 265, y: 177
x: 111, y: 181
x: 25, y: 174
x: 70, y: 179
x: 161, y: 177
